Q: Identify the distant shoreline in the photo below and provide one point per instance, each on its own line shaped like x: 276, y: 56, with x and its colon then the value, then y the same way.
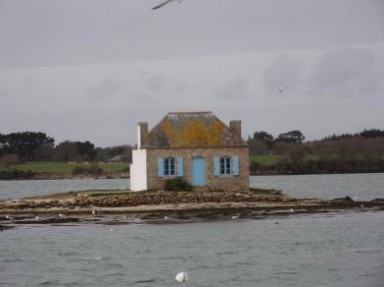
x: 62, y: 176
x: 125, y: 175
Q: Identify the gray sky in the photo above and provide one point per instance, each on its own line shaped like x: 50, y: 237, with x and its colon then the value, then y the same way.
x: 91, y: 69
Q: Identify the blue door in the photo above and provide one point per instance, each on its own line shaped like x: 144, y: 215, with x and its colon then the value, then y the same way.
x: 198, y: 171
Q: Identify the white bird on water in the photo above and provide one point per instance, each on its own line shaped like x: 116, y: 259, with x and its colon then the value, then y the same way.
x: 181, y: 277
x: 165, y: 3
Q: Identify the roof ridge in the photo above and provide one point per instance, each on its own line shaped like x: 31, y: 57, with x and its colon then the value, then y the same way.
x: 199, y: 112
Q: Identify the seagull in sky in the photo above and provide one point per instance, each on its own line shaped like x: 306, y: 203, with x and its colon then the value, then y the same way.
x: 164, y: 3
x: 279, y: 89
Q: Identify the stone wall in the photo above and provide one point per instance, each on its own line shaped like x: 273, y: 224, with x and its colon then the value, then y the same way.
x: 225, y: 183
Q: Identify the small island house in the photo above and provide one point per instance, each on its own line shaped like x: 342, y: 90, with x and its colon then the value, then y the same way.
x: 194, y: 145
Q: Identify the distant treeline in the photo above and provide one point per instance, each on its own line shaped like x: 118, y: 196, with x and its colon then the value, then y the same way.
x: 37, y: 146
x: 360, y: 152
x: 345, y: 153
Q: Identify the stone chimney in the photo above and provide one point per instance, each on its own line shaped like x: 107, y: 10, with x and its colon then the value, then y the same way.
x: 142, y: 133
x: 235, y: 128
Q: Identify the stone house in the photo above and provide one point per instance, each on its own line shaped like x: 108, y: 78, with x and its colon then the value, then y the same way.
x: 194, y: 145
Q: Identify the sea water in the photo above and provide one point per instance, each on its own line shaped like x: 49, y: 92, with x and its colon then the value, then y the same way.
x: 327, y: 250
x: 333, y: 249
x: 325, y: 186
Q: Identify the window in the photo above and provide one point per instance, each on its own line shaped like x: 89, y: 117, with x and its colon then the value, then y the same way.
x: 226, y: 165
x: 169, y: 166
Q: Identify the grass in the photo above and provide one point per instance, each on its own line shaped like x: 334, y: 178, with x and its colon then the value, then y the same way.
x: 274, y: 159
x: 64, y: 167
x: 71, y: 194
x: 265, y: 159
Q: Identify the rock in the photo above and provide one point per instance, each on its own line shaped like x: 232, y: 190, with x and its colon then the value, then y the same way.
x: 5, y: 227
x: 346, y: 199
x: 377, y: 201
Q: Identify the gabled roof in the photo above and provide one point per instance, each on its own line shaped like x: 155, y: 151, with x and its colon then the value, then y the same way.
x: 190, y: 129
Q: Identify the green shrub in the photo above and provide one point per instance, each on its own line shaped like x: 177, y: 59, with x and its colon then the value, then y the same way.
x: 177, y: 184
x: 94, y: 170
x: 125, y: 169
x: 16, y: 174
x: 78, y: 170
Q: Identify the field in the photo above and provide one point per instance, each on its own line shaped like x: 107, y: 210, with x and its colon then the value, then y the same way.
x: 67, y: 167
x: 56, y: 167
x: 265, y: 159
x: 274, y: 159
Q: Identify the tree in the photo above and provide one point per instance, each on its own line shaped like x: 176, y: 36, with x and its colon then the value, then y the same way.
x: 74, y: 151
x: 263, y: 136
x: 372, y: 133
x: 108, y: 153
x: 257, y: 147
x: 294, y: 136
x: 260, y: 143
x: 3, y: 144
x: 66, y: 151
x: 25, y: 144
x: 86, y: 150
x: 10, y: 159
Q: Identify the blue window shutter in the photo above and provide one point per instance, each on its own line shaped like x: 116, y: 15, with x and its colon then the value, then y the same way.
x: 235, y: 165
x: 216, y: 166
x: 160, y: 167
x: 180, y: 166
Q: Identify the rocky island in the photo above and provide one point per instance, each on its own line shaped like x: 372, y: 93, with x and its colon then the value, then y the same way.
x: 125, y: 207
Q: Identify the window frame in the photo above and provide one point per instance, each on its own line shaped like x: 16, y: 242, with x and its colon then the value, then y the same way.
x: 169, y: 166
x: 226, y: 165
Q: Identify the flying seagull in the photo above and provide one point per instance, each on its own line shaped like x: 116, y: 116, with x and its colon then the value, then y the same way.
x: 164, y: 3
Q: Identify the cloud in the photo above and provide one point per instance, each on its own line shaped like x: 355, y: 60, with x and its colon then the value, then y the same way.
x: 151, y: 81
x: 41, y: 32
x: 344, y: 72
x: 348, y: 73
x: 235, y: 89
x: 107, y: 89
x: 4, y: 95
x: 285, y: 72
